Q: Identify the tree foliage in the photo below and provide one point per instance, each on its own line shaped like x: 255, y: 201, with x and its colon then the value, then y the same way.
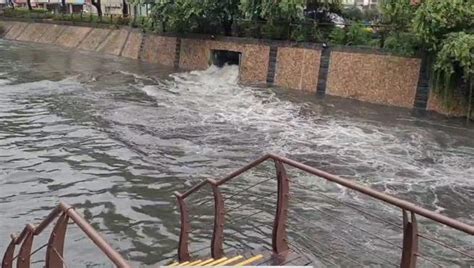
x: 205, y: 16
x: 398, y: 14
x: 355, y: 35
x: 269, y: 10
x: 447, y: 31
x: 434, y: 19
x: 454, y: 66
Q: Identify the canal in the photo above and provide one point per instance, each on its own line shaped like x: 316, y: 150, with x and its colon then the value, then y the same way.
x: 116, y: 138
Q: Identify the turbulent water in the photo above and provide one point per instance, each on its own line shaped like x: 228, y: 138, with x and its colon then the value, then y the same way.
x: 116, y: 138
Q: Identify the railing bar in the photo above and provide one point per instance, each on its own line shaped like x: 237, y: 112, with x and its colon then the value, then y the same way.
x: 356, y: 208
x: 248, y: 188
x: 194, y: 189
x: 428, y: 260
x: 16, y: 257
x: 259, y: 231
x: 243, y: 169
x: 379, y: 195
x: 355, y: 245
x: 204, y: 202
x: 60, y: 257
x: 350, y: 224
x: 197, y: 250
x: 21, y: 236
x: 246, y: 204
x: 38, y: 249
x: 246, y: 216
x: 434, y: 240
x: 234, y: 248
x: 51, y: 216
x: 113, y: 255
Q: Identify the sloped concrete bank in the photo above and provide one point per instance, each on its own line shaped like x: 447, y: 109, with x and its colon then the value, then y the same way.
x: 363, y: 74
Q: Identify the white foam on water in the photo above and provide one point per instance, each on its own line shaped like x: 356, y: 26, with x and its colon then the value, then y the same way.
x: 388, y: 154
x: 4, y: 82
x: 44, y: 86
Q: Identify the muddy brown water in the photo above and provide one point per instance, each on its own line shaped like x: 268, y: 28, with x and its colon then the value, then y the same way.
x: 116, y: 138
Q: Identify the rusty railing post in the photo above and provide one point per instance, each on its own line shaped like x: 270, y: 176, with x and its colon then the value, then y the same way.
x: 279, y: 235
x: 183, y: 250
x: 217, y: 249
x: 54, y: 252
x: 25, y: 250
x: 410, y: 241
x: 7, y: 261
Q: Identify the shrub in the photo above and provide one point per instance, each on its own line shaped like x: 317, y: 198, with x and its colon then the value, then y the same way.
x: 371, y: 14
x: 355, y: 35
x: 306, y: 32
x: 37, y: 13
x: 2, y: 29
x: 247, y: 28
x: 276, y: 31
x: 353, y: 13
x: 338, y: 36
x: 404, y: 44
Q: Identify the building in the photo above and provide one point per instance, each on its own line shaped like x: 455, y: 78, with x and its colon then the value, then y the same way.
x: 362, y: 4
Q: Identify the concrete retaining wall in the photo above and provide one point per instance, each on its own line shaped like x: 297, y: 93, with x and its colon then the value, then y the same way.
x: 297, y: 68
x: 94, y: 39
x: 195, y: 55
x: 114, y: 43
x: 159, y: 49
x: 72, y: 36
x: 132, y: 47
x: 457, y: 108
x: 15, y: 30
x: 374, y: 78
x: 366, y: 76
x: 52, y: 33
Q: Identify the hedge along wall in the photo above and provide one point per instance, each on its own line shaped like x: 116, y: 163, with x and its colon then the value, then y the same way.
x: 352, y: 73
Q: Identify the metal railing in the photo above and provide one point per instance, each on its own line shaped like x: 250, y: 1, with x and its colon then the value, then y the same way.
x: 55, y: 245
x: 409, y: 224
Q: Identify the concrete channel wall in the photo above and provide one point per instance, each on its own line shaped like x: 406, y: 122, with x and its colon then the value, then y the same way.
x: 361, y: 74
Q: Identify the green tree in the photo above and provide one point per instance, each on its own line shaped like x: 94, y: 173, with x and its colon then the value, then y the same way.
x: 447, y: 31
x: 355, y: 35
x: 96, y: 3
x: 398, y: 14
x: 353, y: 13
x: 397, y: 20
x: 273, y: 10
x: 434, y: 19
x: 205, y: 16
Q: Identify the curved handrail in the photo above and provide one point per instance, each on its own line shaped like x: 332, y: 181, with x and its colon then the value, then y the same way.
x: 405, y: 205
x: 26, y: 237
x: 410, y: 241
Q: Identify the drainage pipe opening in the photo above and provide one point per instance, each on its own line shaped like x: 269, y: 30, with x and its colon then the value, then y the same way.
x: 223, y: 57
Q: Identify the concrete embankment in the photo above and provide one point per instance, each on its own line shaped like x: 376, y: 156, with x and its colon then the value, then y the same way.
x: 363, y: 74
